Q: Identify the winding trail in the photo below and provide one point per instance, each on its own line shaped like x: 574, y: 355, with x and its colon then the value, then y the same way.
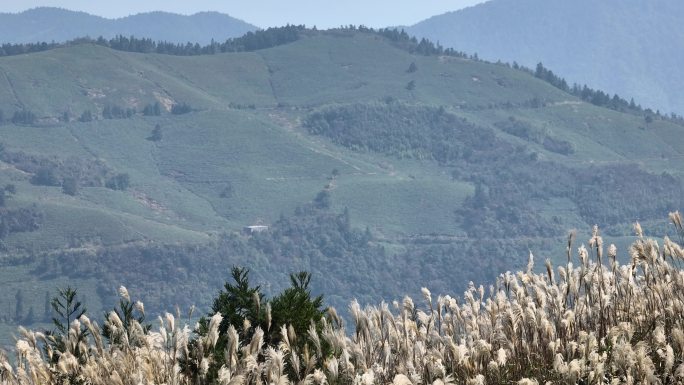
x: 12, y: 89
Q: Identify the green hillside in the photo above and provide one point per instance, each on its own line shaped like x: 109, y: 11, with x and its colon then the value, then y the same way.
x: 378, y: 165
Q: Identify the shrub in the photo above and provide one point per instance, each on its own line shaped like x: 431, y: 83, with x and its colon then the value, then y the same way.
x: 70, y: 186
x: 116, y: 112
x: 152, y: 109
x: 180, y: 109
x: 119, y: 182
x: 45, y: 176
x: 24, y: 117
x: 86, y: 116
x: 157, y: 134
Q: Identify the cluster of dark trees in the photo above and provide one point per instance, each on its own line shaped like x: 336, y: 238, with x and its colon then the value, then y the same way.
x: 20, y: 117
x: 534, y: 134
x: 181, y: 109
x: 240, y: 300
x: 512, y: 183
x: 251, y: 41
x: 153, y: 109
x: 115, y: 112
x: 8, y: 49
x: 71, y: 173
x: 7, y: 192
x: 19, y: 312
x: 403, y: 40
x: 15, y: 220
x: 27, y: 117
x: 18, y: 220
x: 598, y: 97
x: 403, y: 131
x: 112, y: 111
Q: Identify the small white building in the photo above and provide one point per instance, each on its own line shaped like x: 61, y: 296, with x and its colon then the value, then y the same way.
x: 249, y: 230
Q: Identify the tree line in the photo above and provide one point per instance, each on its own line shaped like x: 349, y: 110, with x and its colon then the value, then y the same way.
x: 251, y: 41
x: 26, y: 117
x: 598, y: 97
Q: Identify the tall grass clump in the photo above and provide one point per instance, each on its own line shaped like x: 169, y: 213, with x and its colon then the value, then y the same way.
x: 591, y: 321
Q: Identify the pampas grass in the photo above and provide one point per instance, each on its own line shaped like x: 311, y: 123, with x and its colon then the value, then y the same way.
x: 599, y: 322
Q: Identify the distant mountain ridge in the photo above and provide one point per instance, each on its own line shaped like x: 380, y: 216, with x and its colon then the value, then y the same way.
x: 629, y: 47
x: 59, y: 25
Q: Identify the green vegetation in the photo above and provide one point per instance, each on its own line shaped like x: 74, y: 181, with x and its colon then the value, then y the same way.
x: 601, y: 321
x: 368, y: 186
x: 251, y: 41
x: 152, y: 109
x: 86, y: 117
x: 180, y: 109
x: 23, y: 117
x: 116, y: 112
x: 500, y: 206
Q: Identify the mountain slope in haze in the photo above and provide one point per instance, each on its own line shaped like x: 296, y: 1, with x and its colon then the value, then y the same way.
x: 377, y: 170
x: 59, y: 25
x: 631, y: 47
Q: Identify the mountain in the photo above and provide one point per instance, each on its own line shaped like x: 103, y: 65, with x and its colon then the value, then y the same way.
x: 59, y: 25
x: 378, y: 164
x: 632, y: 48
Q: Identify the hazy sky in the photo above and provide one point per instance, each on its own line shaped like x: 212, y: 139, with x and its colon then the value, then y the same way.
x: 264, y: 13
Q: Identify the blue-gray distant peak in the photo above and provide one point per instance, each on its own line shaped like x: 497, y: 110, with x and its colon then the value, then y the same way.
x: 56, y: 24
x: 631, y: 47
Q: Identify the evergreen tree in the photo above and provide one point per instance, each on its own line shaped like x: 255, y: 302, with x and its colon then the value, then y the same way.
x: 45, y: 176
x: 239, y: 301
x: 119, y: 182
x: 180, y: 109
x: 30, y: 317
x: 70, y: 186
x: 18, y: 305
x: 65, y: 309
x: 296, y: 308
x: 23, y: 117
x: 152, y: 109
x: 157, y: 134
x: 86, y: 116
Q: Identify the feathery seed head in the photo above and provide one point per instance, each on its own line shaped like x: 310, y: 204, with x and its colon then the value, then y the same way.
x: 123, y: 293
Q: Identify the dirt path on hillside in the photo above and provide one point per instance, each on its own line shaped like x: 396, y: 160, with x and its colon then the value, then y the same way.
x: 12, y: 89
